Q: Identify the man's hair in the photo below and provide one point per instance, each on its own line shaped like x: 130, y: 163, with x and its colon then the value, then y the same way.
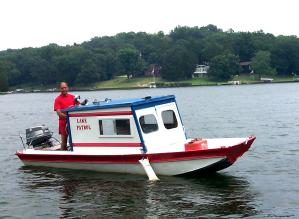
x: 59, y: 85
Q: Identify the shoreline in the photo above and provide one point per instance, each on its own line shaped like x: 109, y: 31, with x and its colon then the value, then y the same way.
x: 175, y: 85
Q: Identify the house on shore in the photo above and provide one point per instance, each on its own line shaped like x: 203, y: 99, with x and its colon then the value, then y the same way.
x: 245, y: 67
x: 201, y: 71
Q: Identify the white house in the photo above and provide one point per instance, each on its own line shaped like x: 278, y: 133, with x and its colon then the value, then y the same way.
x: 200, y: 71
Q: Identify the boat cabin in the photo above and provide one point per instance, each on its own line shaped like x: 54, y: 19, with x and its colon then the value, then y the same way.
x: 128, y: 126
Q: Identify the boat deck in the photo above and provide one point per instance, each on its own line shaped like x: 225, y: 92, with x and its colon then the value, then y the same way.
x: 54, y: 148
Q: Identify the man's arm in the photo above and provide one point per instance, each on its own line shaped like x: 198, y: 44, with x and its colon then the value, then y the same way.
x: 60, y: 114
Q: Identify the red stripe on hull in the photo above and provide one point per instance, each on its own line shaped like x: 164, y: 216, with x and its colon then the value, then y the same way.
x: 107, y: 144
x: 119, y: 113
x: 231, y: 153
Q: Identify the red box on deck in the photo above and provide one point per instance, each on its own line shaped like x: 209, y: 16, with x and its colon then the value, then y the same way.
x: 196, y: 144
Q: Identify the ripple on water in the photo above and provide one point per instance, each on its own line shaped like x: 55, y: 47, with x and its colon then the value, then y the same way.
x: 283, y: 135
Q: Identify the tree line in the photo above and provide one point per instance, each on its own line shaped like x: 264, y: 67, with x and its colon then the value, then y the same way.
x: 178, y: 52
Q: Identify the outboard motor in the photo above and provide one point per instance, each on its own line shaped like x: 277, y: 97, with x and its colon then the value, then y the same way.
x: 38, y: 136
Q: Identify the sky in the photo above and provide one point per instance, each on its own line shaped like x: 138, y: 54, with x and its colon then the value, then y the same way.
x: 36, y: 23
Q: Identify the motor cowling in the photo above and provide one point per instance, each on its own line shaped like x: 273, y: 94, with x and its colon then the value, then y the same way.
x: 38, y: 135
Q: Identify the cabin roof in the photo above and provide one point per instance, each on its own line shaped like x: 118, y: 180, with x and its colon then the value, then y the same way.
x: 136, y: 102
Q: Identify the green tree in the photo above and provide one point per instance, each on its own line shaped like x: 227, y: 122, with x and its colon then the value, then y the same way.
x: 243, y: 44
x: 10, y: 70
x: 3, y: 82
x: 4, y: 67
x: 129, y: 61
x: 88, y: 74
x: 261, y: 63
x: 110, y: 64
x: 211, y: 49
x: 41, y: 71
x: 69, y: 64
x: 223, y: 67
x: 285, y: 55
x: 178, y: 63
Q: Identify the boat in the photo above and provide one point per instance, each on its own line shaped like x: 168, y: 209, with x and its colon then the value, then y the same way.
x: 117, y: 135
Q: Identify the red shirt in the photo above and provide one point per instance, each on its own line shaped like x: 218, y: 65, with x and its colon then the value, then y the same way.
x: 63, y: 102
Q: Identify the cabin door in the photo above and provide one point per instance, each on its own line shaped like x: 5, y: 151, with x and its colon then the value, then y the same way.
x: 158, y: 131
x: 148, y: 123
x: 171, y: 127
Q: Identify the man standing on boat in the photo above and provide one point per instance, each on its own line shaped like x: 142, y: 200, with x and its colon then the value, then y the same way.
x: 63, y: 101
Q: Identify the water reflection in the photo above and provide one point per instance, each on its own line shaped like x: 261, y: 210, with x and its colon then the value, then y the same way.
x: 90, y: 194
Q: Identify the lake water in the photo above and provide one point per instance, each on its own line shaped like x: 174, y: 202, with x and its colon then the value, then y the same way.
x: 264, y: 183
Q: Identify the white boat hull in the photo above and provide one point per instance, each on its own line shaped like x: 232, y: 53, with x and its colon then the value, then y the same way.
x: 163, y: 168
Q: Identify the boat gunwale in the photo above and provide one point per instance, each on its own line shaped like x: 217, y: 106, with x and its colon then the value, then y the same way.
x: 232, y: 153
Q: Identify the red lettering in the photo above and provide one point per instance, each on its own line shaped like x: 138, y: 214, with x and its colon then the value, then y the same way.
x: 83, y: 127
x: 81, y: 120
x: 87, y: 127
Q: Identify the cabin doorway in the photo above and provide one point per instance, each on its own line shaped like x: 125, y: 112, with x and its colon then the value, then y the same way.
x: 161, y: 128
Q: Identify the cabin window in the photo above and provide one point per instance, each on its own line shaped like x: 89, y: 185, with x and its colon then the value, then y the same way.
x: 169, y: 119
x: 115, y: 127
x: 148, y: 123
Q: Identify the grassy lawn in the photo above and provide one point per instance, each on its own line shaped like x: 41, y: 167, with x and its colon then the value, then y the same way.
x: 282, y: 78
x: 124, y: 82
x: 247, y: 79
